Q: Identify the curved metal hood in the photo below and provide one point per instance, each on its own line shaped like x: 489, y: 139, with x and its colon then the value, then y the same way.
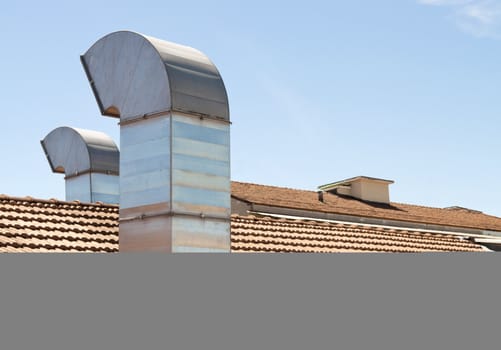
x: 133, y: 76
x: 75, y: 151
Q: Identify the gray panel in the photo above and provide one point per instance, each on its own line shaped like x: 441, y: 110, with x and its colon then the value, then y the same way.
x: 145, y: 163
x: 200, y: 235
x: 105, y: 188
x: 93, y: 187
x: 200, y: 133
x: 197, y: 180
x: 197, y: 120
x: 200, y: 196
x: 106, y: 198
x: 149, y: 234
x: 191, y: 249
x: 150, y: 130
x: 104, y: 184
x: 138, y: 199
x: 200, y: 149
x: 201, y: 165
x: 133, y: 75
x: 148, y: 149
x: 144, y: 181
x: 78, y: 188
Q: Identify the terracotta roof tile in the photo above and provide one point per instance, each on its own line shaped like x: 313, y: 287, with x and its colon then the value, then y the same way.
x: 262, y: 234
x: 308, y: 200
x: 33, y: 225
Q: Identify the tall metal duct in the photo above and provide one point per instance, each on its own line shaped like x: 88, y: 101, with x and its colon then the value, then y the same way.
x: 175, y: 142
x: 90, y: 161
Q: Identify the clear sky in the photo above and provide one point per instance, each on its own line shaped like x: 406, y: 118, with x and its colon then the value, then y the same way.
x: 319, y: 91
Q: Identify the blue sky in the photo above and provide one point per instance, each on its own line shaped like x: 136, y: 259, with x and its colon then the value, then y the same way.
x: 319, y: 91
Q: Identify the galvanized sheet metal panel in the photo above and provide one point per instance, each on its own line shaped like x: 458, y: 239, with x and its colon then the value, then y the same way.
x: 104, y: 188
x: 201, y: 165
x: 103, y: 184
x: 206, y: 197
x: 200, y: 149
x: 198, y: 180
x: 190, y: 249
x: 149, y: 234
x: 134, y: 75
x: 201, y: 183
x: 150, y: 131
x: 137, y: 200
x: 91, y: 188
x: 78, y: 188
x: 145, y: 165
x: 148, y: 149
x: 203, y: 133
x: 145, y: 181
x: 200, y: 235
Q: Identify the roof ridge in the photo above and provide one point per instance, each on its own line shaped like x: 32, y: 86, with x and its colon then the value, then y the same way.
x: 55, y: 201
x: 281, y: 187
x: 448, y: 209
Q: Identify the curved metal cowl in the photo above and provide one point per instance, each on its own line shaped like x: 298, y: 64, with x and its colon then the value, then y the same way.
x: 89, y: 159
x: 75, y: 151
x: 133, y: 75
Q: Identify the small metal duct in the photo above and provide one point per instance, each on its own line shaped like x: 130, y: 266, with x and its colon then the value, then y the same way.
x: 175, y: 142
x: 90, y: 161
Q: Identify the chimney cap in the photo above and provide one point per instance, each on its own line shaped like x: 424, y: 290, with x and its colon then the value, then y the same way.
x: 365, y: 188
x: 348, y: 182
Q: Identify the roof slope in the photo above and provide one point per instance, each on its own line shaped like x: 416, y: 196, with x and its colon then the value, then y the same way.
x: 308, y: 200
x: 262, y: 234
x: 34, y: 225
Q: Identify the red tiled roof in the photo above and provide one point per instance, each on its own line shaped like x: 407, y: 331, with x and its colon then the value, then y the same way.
x: 34, y: 225
x: 308, y: 200
x: 262, y: 234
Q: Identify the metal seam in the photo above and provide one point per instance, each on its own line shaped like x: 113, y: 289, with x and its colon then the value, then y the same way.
x: 173, y: 213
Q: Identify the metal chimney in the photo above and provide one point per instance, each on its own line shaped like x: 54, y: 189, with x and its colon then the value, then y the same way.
x: 175, y: 142
x: 90, y: 161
